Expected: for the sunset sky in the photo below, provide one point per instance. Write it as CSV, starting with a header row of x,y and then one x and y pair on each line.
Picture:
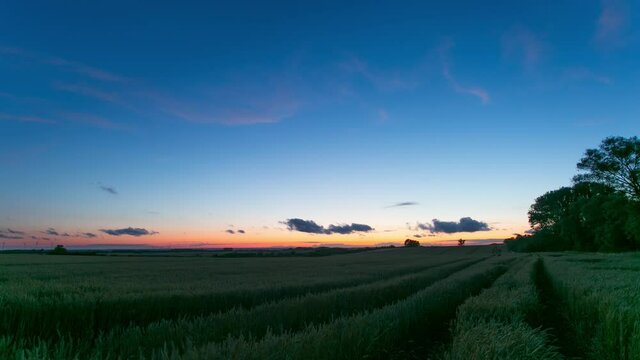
x,y
244,124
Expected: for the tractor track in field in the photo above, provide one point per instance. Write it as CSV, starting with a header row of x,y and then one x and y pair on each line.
x,y
436,336
551,318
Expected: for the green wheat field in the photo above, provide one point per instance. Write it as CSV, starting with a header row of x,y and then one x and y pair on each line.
x,y
397,303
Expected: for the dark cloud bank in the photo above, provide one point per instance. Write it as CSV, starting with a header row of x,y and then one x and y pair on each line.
x,y
128,231
311,227
466,224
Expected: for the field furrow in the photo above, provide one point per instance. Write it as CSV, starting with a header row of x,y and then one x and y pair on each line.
x,y
597,304
502,321
50,313
374,335
277,317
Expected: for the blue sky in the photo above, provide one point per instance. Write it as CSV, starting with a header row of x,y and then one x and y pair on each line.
x,y
188,120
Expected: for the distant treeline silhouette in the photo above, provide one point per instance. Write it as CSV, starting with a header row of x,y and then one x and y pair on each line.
x,y
600,212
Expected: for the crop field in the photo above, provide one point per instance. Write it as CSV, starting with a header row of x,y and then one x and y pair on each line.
x,y
403,303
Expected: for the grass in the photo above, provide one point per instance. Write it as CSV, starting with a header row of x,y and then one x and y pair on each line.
x,y
598,297
370,335
379,304
497,324
52,296
290,314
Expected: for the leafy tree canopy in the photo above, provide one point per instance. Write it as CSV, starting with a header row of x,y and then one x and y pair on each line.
x,y
616,163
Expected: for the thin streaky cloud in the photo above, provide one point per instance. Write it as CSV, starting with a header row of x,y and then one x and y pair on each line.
x,y
402,204
109,189
87,91
268,110
476,91
584,74
382,81
10,237
65,64
26,118
93,120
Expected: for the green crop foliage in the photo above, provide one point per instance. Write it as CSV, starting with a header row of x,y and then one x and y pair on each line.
x,y
497,324
444,303
598,297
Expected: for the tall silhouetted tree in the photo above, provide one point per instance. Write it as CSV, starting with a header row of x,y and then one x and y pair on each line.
x,y
600,212
615,163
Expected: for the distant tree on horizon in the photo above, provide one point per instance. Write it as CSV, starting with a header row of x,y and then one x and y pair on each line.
x,y
461,242
58,250
411,243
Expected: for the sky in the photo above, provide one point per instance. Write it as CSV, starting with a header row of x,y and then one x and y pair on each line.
x,y
257,123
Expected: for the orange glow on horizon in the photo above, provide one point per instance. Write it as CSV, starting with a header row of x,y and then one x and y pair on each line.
x,y
266,238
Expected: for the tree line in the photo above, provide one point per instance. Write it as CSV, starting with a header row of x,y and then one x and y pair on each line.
x,y
599,212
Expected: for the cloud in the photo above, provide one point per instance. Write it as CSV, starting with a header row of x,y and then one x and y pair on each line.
x,y
417,236
267,103
88,235
466,224
425,226
109,189
521,44
243,101
88,91
51,231
15,232
310,226
476,91
93,120
584,74
382,81
611,24
348,229
307,226
401,204
4,235
241,231
64,64
26,118
128,231
230,231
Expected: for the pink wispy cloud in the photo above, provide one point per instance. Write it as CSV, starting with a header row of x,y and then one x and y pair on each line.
x,y
521,44
26,118
88,91
584,74
266,106
383,81
476,91
64,64
93,120
611,24
237,104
